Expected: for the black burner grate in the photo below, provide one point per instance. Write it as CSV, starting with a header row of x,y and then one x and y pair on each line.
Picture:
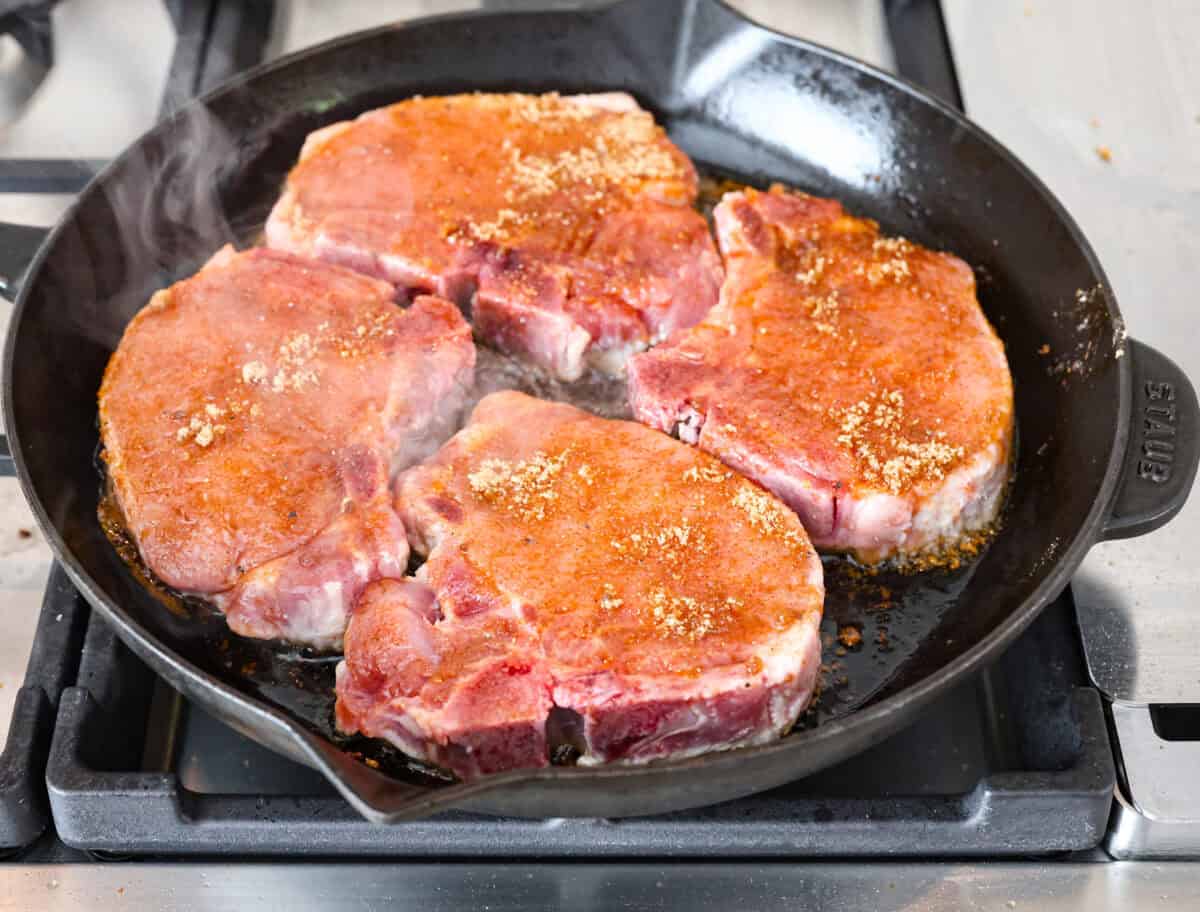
x,y
1015,762
52,664
217,39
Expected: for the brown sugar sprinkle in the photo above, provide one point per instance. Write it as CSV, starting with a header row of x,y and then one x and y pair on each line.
x,y
294,372
688,618
549,111
821,308
890,261
362,338
546,110
498,227
709,473
815,270
893,246
254,372
765,513
618,152
540,176
624,151
873,431
665,543
895,269
824,312
200,428
609,600
524,487
294,354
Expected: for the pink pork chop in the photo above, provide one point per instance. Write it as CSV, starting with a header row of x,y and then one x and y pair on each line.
x,y
853,375
590,582
252,417
569,220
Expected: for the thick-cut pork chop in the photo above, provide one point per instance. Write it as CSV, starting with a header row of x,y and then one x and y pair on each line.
x,y
252,416
853,375
595,576
569,216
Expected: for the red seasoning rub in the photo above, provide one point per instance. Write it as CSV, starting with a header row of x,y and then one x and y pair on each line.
x,y
591,565
251,417
852,374
570,215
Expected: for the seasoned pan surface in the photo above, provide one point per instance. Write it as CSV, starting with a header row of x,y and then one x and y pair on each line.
x,y
741,101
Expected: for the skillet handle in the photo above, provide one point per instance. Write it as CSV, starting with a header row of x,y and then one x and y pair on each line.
x,y
1163,447
383,799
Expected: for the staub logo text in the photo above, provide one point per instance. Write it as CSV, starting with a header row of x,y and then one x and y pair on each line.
x,y
1158,433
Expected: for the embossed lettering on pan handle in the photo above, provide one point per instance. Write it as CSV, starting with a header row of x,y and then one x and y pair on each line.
x,y
1163,448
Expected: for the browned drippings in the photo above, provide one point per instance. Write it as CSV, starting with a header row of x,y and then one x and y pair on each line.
x,y
112,522
712,188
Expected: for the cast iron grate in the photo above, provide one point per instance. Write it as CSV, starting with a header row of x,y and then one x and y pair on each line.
x,y
1016,762
52,664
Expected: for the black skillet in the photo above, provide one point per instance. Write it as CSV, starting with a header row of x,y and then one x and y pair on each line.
x,y
1107,427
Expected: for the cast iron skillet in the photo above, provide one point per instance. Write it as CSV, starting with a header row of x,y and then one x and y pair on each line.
x,y
1107,427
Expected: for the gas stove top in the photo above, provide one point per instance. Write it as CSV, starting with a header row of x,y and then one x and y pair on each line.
x,y
1077,748
1016,762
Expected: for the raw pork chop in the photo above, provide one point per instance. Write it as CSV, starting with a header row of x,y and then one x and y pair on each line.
x,y
251,417
591,575
853,375
570,216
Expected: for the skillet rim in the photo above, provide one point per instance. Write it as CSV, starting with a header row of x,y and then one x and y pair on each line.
x,y
859,722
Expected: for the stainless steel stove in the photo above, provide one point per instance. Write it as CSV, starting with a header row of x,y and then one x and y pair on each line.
x,y
1060,778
